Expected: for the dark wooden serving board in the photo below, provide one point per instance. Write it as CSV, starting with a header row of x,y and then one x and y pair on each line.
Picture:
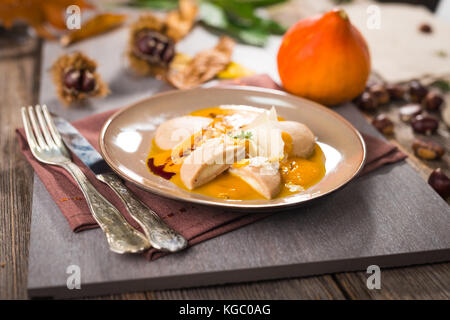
x,y
389,217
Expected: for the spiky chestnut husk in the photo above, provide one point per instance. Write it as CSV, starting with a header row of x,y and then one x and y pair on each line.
x,y
76,79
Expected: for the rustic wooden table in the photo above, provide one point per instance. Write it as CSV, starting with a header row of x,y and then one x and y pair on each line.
x,y
19,86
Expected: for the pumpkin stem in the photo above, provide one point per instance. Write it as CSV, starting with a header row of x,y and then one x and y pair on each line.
x,y
343,14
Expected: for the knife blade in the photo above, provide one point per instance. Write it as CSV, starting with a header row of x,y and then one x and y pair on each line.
x,y
159,234
81,147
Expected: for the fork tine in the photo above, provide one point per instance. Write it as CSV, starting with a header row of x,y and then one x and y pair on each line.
x,y
36,129
51,125
44,126
28,131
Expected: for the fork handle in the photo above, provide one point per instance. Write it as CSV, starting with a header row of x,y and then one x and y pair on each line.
x,y
160,235
121,236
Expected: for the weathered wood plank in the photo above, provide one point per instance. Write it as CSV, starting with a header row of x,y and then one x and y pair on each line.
x,y
18,86
125,296
418,282
323,287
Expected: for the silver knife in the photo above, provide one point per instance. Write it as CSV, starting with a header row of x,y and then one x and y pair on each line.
x,y
159,234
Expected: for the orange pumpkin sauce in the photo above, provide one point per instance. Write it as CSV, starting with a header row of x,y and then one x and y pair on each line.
x,y
297,173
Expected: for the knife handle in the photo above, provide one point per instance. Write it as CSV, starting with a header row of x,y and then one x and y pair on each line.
x,y
159,234
121,236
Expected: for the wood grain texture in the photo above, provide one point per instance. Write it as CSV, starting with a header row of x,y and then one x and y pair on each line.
x,y
18,85
323,287
418,282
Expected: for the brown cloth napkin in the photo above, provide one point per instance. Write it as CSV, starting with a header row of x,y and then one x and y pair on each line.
x,y
195,222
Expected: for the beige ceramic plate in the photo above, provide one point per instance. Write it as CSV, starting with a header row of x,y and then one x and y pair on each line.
x,y
126,138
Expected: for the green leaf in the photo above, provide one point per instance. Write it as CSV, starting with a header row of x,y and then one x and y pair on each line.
x,y
155,4
243,15
213,15
255,37
273,27
239,14
443,85
260,3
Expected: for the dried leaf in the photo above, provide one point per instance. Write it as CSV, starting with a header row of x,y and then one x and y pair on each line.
x,y
234,70
204,66
97,25
77,61
38,13
179,22
54,15
180,61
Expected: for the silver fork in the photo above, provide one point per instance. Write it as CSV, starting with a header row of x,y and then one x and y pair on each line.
x,y
47,147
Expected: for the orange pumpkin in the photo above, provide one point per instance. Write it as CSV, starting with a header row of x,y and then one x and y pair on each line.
x,y
325,59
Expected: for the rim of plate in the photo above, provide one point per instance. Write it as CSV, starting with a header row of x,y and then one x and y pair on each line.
x,y
231,205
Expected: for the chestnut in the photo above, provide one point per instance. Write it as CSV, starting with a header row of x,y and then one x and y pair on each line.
x,y
440,183
154,47
366,101
79,80
417,91
71,79
383,124
425,28
88,82
425,124
409,111
433,101
445,114
428,150
380,94
396,91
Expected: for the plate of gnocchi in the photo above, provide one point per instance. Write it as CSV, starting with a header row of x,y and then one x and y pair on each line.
x,y
241,148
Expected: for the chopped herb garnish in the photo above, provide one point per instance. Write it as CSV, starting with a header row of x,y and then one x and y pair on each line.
x,y
243,135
